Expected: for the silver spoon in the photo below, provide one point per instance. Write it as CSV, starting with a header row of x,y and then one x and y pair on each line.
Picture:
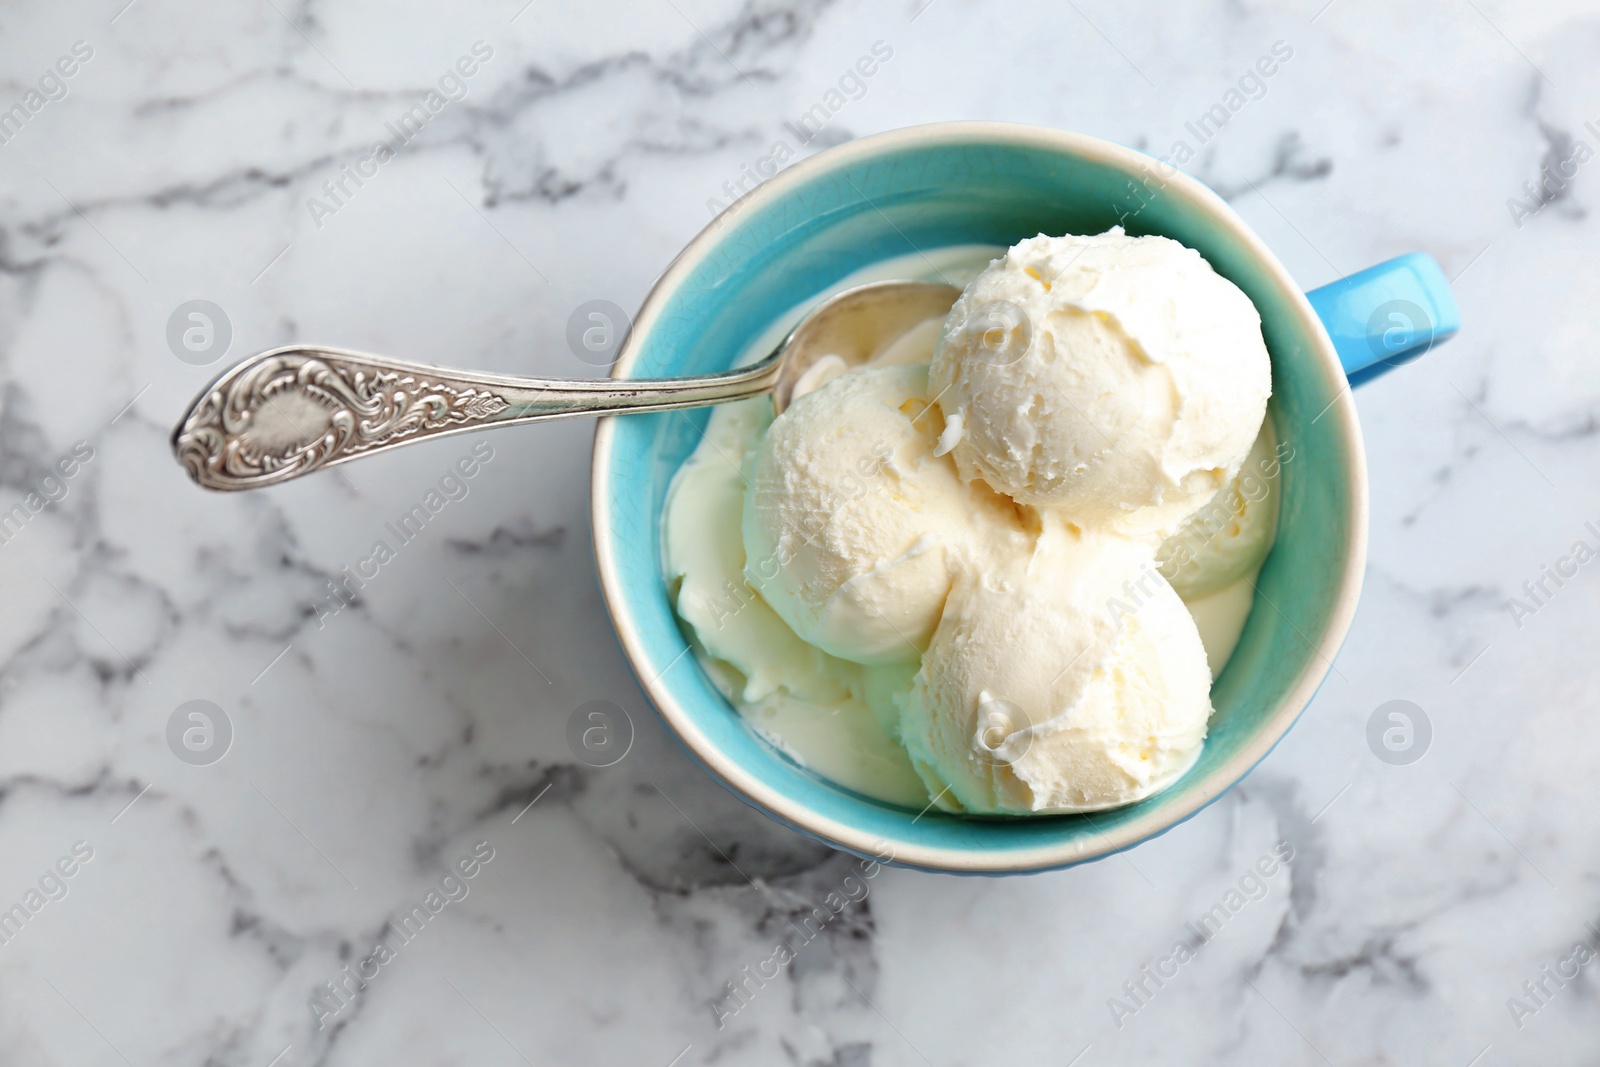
x,y
290,411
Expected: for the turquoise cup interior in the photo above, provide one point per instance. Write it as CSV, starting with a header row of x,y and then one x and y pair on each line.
x,y
958,184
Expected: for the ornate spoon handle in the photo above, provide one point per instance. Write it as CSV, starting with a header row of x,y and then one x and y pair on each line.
x,y
291,411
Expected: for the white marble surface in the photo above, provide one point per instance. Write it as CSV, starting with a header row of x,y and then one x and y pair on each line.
x,y
372,752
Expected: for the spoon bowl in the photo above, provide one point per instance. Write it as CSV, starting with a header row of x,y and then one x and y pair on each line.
x,y
854,326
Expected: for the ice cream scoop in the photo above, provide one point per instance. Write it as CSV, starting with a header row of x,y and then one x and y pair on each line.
x,y
1230,534
1117,378
852,525
1071,679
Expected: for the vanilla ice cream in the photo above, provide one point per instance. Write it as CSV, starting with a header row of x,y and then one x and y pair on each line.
x,y
1070,680
826,713
1228,536
852,525
1103,376
996,568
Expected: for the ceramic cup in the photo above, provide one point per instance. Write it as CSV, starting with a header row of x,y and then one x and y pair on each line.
x,y
949,184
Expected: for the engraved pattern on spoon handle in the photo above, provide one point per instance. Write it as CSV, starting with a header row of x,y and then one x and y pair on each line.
x,y
295,410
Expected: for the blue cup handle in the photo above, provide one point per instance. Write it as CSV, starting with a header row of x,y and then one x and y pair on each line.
x,y
1387,315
